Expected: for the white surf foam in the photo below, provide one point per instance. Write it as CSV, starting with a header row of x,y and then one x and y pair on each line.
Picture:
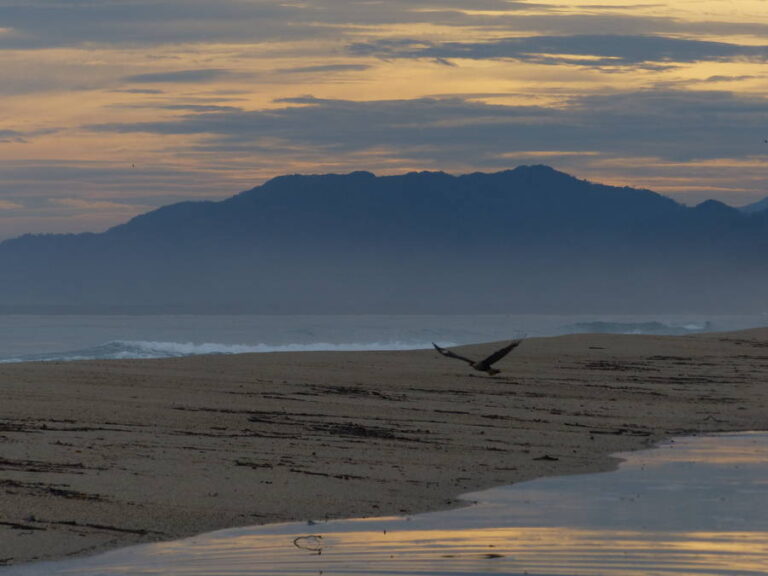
x,y
650,327
139,349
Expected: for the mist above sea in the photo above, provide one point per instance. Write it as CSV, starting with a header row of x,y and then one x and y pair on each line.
x,y
89,337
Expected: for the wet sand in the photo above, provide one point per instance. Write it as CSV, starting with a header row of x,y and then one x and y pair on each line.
x,y
96,455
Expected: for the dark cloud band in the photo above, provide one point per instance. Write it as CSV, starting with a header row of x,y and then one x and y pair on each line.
x,y
676,125
183,76
11,136
586,50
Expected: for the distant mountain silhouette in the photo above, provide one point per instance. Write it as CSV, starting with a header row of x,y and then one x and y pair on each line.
x,y
758,206
530,239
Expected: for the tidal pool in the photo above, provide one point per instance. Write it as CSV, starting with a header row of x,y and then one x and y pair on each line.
x,y
694,506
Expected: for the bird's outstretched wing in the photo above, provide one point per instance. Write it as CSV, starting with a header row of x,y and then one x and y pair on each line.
x,y
499,354
450,354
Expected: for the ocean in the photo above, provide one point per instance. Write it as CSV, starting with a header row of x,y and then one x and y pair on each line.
x,y
87,337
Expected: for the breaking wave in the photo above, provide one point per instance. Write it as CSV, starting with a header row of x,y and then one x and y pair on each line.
x,y
660,328
127,349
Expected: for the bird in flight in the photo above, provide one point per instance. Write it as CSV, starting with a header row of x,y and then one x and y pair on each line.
x,y
484,365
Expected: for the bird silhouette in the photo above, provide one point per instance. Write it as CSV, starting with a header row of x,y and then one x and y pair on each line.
x,y
484,365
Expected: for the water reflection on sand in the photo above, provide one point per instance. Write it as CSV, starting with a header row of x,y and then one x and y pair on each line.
x,y
694,507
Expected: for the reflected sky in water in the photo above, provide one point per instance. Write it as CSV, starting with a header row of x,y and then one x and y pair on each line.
x,y
695,506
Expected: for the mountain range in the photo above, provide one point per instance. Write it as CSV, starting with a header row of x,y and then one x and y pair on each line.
x,y
758,206
532,239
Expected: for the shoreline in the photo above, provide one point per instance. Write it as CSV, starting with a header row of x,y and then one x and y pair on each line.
x,y
183,550
104,454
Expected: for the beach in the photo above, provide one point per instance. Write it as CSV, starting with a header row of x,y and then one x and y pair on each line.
x,y
103,454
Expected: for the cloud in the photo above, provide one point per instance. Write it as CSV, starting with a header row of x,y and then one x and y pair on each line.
x,y
139,91
201,107
677,125
179,76
11,136
48,23
101,23
610,20
94,205
586,50
618,6
8,205
15,137
723,78
324,68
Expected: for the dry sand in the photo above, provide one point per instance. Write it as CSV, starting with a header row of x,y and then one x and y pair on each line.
x,y
109,453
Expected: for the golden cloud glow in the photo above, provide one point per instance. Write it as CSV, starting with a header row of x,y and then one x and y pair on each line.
x,y
8,205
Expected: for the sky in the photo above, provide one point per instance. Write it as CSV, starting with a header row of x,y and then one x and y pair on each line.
x,y
111,108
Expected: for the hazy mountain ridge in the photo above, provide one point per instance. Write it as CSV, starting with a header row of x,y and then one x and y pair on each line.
x,y
759,206
528,239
